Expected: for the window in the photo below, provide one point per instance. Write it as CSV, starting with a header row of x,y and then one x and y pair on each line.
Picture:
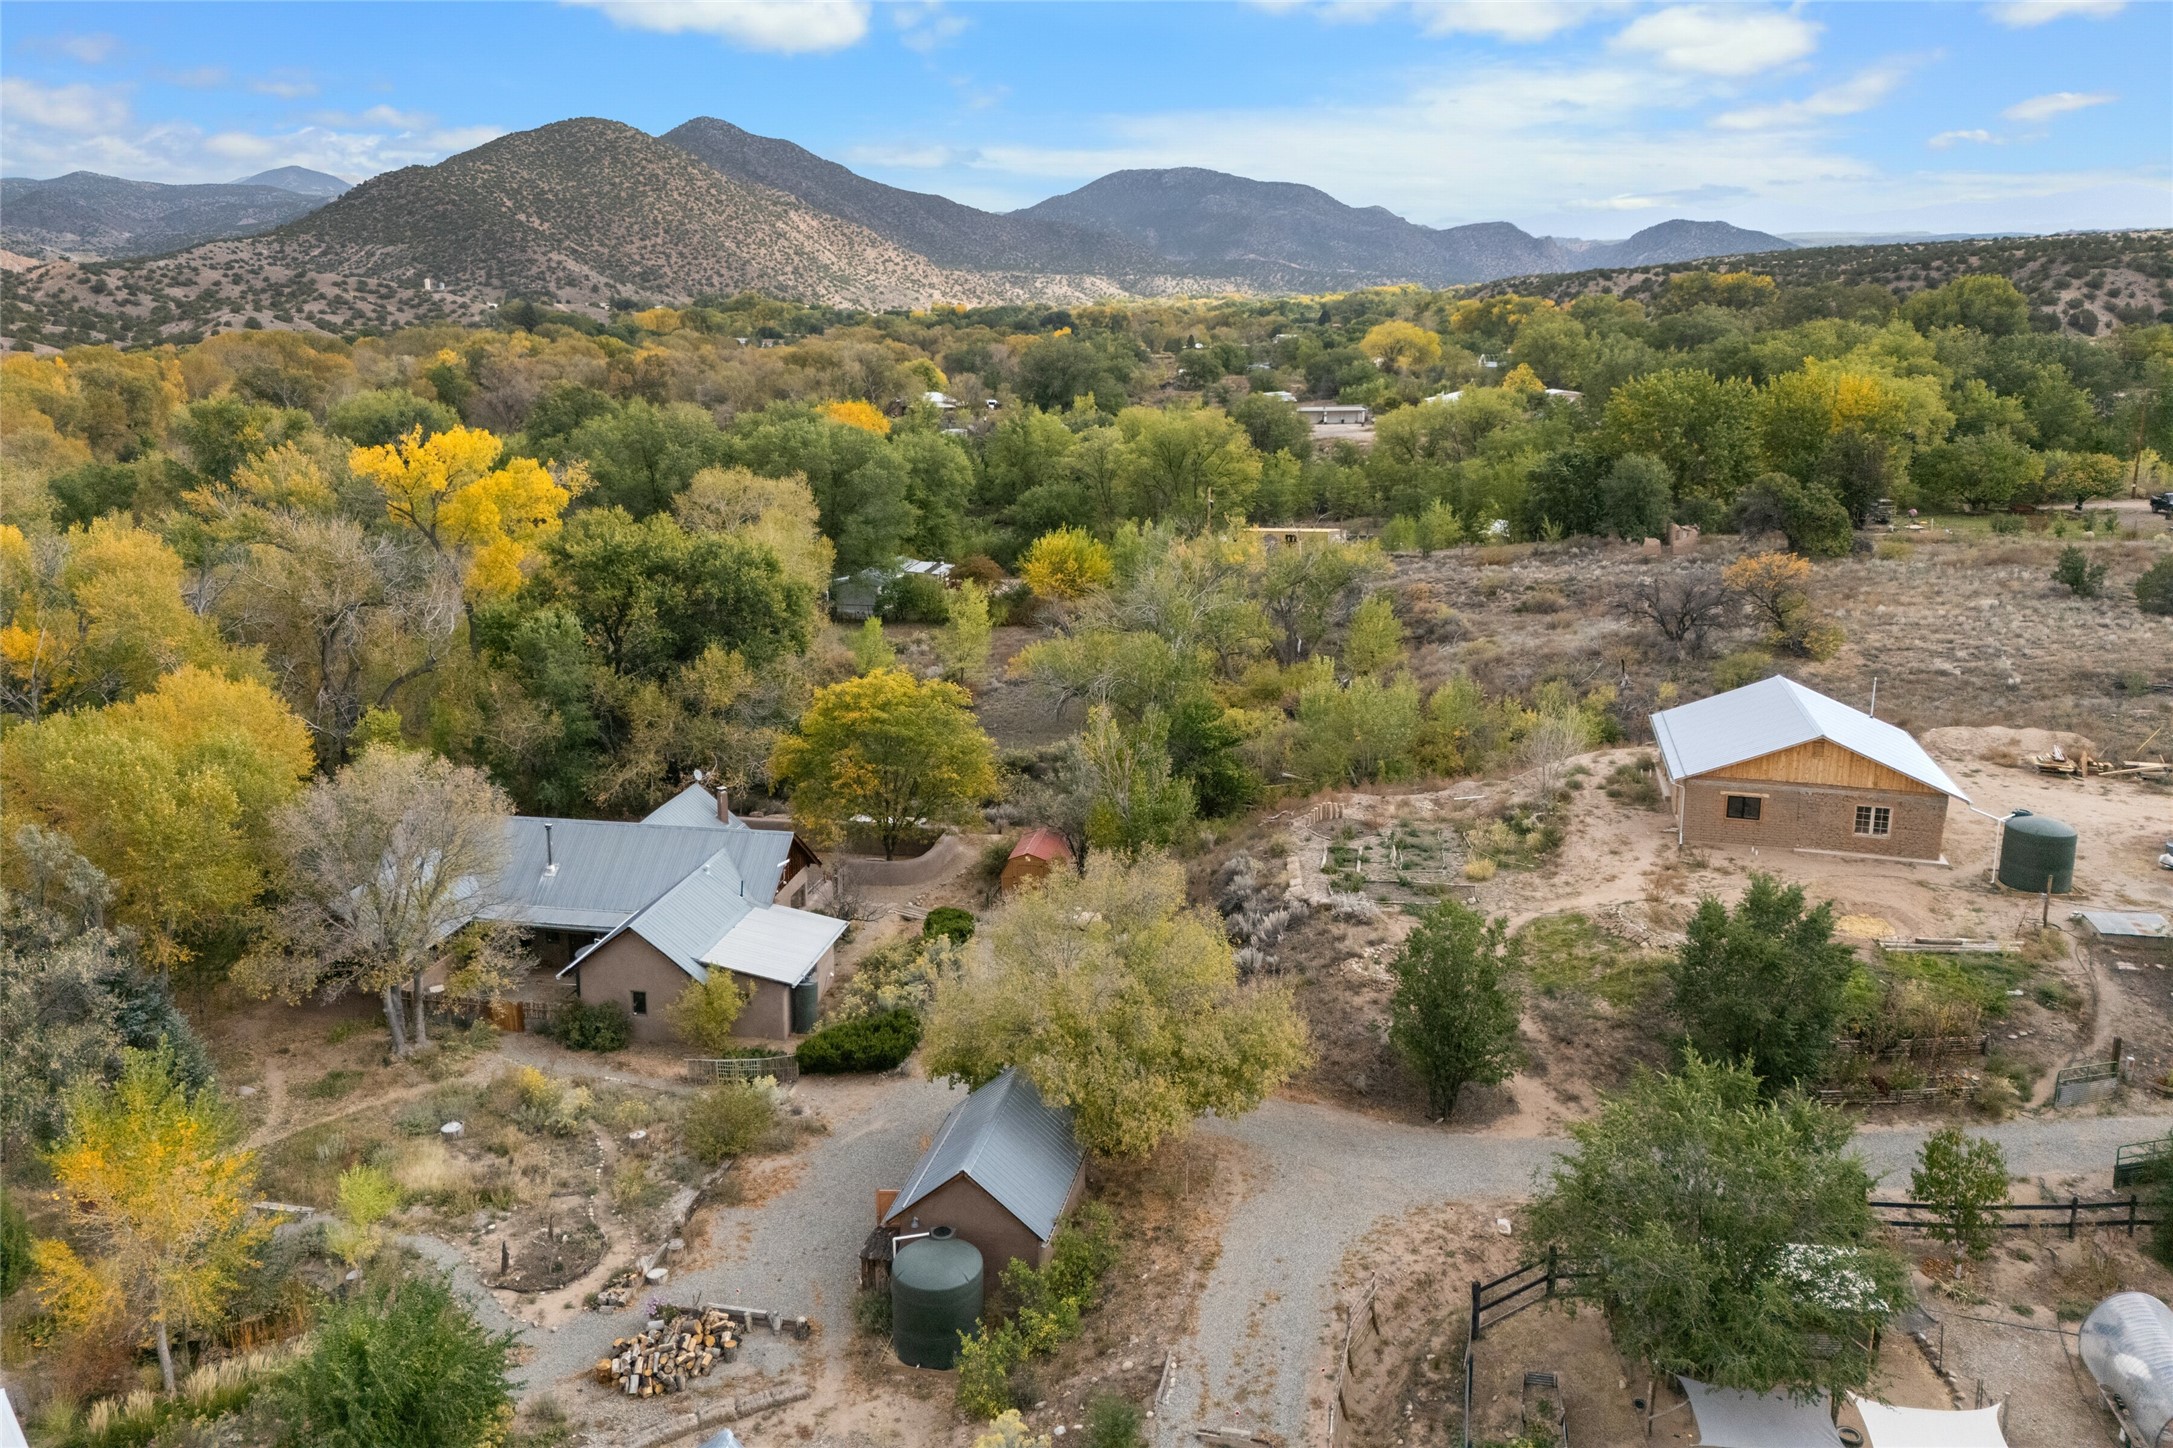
x,y
1744,806
641,1003
1874,819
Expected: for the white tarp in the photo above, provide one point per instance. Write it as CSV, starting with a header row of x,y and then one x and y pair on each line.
x,y
1889,1427
1731,1418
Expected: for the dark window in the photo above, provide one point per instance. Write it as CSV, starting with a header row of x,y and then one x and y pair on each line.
x,y
1743,806
641,1003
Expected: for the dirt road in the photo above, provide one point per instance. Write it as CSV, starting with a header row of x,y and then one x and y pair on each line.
x,y
1327,1176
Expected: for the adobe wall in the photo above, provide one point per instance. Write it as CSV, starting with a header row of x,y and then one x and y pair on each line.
x,y
1800,816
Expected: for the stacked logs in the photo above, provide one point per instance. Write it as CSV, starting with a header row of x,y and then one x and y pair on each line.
x,y
662,1359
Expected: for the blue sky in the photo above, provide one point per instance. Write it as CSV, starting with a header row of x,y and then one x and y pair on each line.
x,y
1581,119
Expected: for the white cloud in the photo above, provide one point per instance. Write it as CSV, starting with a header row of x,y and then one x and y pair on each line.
x,y
385,117
1859,93
1945,139
2058,103
1720,39
286,85
1521,21
2025,14
785,27
924,26
203,77
79,108
90,49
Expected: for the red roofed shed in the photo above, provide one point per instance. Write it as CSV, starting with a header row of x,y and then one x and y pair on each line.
x,y
1033,858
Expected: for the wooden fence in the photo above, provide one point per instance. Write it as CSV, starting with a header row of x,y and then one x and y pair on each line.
x,y
2070,1216
781,1064
1503,1298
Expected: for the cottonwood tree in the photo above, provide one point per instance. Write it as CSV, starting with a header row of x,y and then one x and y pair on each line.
x,y
1453,1017
1127,801
450,490
1066,563
1729,1235
382,863
158,1193
892,749
1117,1000
1763,983
962,643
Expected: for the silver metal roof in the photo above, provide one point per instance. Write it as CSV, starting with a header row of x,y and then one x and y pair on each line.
x,y
592,874
693,915
692,808
1010,1143
779,943
1775,714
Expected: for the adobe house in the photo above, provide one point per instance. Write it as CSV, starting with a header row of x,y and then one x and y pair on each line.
x,y
1779,766
1002,1172
633,911
1036,853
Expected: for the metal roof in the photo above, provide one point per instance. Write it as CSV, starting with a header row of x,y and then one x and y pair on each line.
x,y
1778,713
1011,1144
779,943
693,808
2126,924
1041,844
592,874
693,915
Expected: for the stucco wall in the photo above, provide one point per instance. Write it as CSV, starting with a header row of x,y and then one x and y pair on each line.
x,y
963,1206
1798,816
629,963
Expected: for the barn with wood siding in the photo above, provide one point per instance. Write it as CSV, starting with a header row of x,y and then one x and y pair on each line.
x,y
1780,766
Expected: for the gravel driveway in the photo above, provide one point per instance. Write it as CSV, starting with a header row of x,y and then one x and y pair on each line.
x,y
1329,1176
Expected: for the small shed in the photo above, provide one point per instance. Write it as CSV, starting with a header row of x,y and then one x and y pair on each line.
x,y
1003,1170
1295,537
1033,857
1336,414
1777,765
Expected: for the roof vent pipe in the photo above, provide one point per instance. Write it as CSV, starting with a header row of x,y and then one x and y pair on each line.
x,y
550,859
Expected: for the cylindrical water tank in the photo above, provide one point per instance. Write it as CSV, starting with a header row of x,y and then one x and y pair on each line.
x,y
2127,1343
935,1294
2034,849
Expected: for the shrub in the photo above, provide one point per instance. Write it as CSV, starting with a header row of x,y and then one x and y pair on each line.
x,y
2006,525
604,1026
2083,578
708,1011
949,921
872,1313
2154,590
986,1359
1744,666
402,1367
867,1043
728,1120
1112,1422
14,1245
915,598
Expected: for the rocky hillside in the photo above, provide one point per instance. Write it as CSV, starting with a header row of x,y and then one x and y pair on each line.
x,y
89,216
2084,281
938,228
299,178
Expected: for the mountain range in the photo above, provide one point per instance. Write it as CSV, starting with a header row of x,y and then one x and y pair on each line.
x,y
585,211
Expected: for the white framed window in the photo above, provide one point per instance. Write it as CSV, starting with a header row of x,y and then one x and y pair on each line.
x,y
1875,820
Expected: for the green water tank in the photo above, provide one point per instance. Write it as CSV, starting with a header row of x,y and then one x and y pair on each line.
x,y
2033,848
935,1294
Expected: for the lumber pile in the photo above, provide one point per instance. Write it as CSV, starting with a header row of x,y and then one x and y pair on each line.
x,y
663,1358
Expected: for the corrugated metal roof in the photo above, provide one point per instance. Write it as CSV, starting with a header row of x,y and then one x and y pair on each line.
x,y
603,869
693,808
2126,924
1010,1143
696,913
1042,844
1778,713
780,944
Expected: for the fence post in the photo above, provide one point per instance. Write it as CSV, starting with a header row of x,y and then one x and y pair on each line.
x,y
2074,1210
2131,1213
1475,1311
1552,1253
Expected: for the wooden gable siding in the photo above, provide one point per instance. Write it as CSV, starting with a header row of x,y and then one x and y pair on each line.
x,y
1822,762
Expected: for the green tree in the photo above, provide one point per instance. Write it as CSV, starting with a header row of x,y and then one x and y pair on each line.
x,y
1190,467
2078,573
962,643
1963,1180
384,416
1453,1017
888,747
1309,592
1813,520
1699,425
1762,984
1637,497
1373,644
1117,1000
2154,590
1730,1235
1128,798
643,456
870,650
366,1196
1356,733
399,1366
1273,424
1988,304
15,1245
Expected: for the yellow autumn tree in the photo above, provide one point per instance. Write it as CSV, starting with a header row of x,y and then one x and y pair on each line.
x,y
158,1195
451,490
1402,346
864,415
92,615
1066,563
169,793
1522,379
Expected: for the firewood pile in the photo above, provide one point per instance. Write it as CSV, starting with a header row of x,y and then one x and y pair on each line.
x,y
662,1359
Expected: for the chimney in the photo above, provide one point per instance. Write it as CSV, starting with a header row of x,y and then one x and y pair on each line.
x,y
550,859
724,805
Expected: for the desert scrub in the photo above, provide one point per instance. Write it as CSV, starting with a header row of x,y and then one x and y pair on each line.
x,y
605,1026
1633,784
729,1120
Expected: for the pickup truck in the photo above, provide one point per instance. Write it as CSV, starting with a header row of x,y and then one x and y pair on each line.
x,y
2162,503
